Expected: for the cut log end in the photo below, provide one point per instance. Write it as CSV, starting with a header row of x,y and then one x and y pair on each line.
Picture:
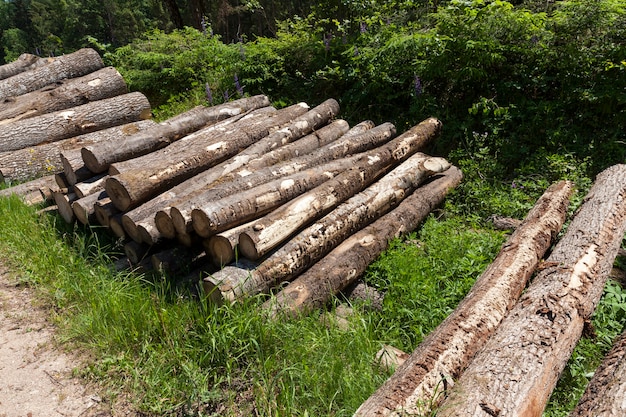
x,y
118,194
91,161
165,224
247,247
220,250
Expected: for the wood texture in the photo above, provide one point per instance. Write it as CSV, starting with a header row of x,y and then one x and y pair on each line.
x,y
23,63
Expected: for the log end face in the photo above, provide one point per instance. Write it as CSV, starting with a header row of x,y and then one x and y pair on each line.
x,y
92,162
165,224
220,250
247,247
118,193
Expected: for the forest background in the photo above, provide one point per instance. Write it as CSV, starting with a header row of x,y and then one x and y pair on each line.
x,y
529,92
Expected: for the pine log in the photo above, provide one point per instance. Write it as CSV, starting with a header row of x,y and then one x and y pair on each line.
x,y
238,181
104,83
98,157
220,248
24,62
605,393
314,242
72,65
274,229
517,368
26,190
448,349
186,159
35,161
75,121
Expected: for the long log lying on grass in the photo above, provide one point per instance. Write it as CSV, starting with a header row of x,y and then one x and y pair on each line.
x,y
98,158
314,242
605,393
30,192
418,384
272,230
71,65
245,179
518,367
134,187
75,121
104,83
35,161
23,63
348,261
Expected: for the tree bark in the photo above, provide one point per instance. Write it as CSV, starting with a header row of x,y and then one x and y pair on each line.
x,y
604,395
518,367
275,228
24,62
99,157
245,179
35,161
28,189
78,120
418,385
76,64
132,188
104,209
314,242
90,186
104,83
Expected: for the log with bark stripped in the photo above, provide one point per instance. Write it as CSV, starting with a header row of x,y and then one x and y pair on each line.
x,y
35,161
517,368
314,242
185,159
605,394
245,179
104,83
98,157
447,350
24,62
71,65
78,120
272,230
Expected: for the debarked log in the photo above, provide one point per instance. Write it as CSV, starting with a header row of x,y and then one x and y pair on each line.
x,y
314,242
134,187
75,121
419,383
516,370
604,395
72,65
104,83
99,157
44,159
272,230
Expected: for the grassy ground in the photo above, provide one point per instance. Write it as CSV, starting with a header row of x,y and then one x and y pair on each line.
x,y
179,356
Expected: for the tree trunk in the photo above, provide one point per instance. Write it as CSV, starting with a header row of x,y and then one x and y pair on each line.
x,y
24,62
98,157
28,190
78,120
132,188
174,13
76,64
272,230
604,396
518,367
35,161
220,247
245,179
104,83
310,245
418,385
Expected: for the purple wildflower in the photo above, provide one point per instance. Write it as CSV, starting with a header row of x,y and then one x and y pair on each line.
x,y
363,27
238,86
209,95
417,86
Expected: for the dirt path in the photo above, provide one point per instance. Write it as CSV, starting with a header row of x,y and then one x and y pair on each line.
x,y
35,377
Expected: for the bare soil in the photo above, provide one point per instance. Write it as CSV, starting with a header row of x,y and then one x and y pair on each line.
x,y
35,374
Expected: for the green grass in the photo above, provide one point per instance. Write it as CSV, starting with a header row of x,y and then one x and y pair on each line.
x,y
178,356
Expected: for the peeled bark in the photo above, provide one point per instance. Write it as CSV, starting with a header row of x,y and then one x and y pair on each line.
x,y
35,161
76,121
314,242
273,229
98,157
244,179
418,384
24,62
134,187
64,94
71,65
517,368
604,396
